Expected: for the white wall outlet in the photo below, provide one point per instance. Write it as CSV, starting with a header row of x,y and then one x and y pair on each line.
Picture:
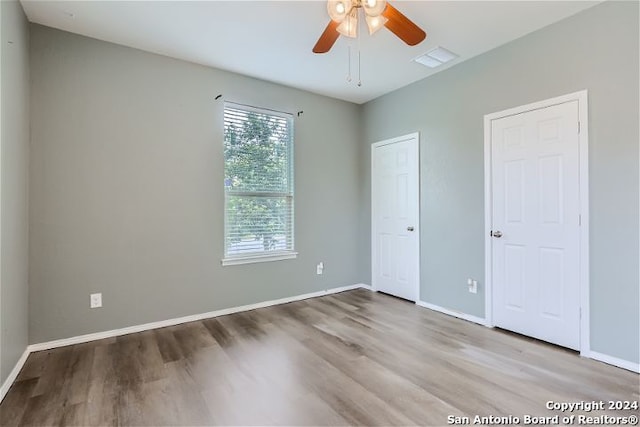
x,y
95,300
319,268
473,286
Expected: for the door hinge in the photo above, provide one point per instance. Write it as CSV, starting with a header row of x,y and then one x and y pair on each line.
x,y
578,127
579,220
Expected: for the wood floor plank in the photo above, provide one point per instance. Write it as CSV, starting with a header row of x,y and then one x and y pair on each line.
x,y
103,386
13,407
54,371
149,352
398,393
193,337
320,376
223,337
168,345
42,410
35,367
355,358
75,390
126,362
74,415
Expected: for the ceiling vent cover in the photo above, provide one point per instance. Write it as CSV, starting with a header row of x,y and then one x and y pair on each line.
x,y
436,57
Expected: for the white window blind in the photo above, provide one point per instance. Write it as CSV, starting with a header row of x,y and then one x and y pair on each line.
x,y
258,182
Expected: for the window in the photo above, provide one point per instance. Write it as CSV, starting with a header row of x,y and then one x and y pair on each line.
x,y
258,183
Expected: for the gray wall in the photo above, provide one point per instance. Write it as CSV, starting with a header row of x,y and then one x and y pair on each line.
x,y
595,50
127,194
14,154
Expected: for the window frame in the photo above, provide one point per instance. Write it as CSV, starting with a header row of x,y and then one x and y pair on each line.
x,y
261,256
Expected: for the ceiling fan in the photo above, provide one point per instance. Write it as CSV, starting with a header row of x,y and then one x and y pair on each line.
x,y
378,13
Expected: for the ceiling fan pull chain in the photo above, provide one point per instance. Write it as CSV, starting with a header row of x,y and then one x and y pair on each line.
x,y
359,79
359,24
349,62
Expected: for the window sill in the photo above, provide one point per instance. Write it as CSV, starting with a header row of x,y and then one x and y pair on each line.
x,y
259,258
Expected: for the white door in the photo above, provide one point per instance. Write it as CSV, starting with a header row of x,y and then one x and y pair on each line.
x,y
395,216
536,223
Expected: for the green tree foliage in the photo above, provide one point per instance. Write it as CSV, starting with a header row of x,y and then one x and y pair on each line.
x,y
257,156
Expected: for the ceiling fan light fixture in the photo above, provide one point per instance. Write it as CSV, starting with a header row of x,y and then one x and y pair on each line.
x,y
349,26
339,9
374,23
374,7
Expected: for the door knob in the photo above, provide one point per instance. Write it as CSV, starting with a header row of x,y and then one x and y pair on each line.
x,y
410,228
497,234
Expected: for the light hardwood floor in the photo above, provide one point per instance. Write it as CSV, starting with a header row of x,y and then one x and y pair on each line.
x,y
358,358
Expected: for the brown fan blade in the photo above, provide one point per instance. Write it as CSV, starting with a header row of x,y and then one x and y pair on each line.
x,y
328,38
402,26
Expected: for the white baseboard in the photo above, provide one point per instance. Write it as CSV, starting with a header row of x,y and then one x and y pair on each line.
x,y
624,364
610,360
13,374
179,320
457,314
154,325
601,357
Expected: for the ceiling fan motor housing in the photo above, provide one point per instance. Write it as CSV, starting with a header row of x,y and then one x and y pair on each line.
x,y
345,13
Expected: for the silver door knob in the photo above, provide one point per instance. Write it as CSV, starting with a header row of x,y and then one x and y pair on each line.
x,y
410,228
497,234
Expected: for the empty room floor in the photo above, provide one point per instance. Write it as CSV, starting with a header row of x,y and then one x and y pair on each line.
x,y
354,358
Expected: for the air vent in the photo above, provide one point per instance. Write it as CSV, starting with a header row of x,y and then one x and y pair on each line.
x,y
436,57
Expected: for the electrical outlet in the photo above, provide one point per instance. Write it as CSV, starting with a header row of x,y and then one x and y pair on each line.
x,y
319,268
95,300
473,286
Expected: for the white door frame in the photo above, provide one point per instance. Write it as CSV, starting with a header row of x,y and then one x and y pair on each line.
x,y
583,141
416,136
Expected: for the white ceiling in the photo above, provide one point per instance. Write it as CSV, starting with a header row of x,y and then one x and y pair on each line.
x,y
272,40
